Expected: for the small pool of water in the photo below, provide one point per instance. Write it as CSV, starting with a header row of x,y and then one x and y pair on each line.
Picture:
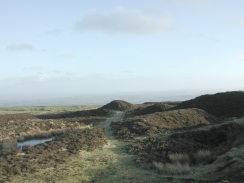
x,y
33,142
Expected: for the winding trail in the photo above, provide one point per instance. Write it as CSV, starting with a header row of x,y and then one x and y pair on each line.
x,y
116,117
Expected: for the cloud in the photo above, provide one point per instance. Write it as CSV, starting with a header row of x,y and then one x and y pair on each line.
x,y
42,77
237,22
192,3
199,35
67,55
53,32
241,22
34,68
123,21
19,46
241,57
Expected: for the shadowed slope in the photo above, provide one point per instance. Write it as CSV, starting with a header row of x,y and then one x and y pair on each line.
x,y
228,104
148,109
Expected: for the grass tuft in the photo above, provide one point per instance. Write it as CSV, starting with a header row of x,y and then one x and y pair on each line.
x,y
203,156
179,158
173,168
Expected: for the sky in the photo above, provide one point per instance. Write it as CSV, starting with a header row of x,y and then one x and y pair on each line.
x,y
77,47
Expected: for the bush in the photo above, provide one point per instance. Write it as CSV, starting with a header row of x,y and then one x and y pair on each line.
x,y
125,134
172,168
203,156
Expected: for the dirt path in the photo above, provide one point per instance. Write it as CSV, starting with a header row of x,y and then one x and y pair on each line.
x,y
117,116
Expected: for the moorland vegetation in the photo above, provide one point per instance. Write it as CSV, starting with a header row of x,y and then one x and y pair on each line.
x,y
203,131
199,140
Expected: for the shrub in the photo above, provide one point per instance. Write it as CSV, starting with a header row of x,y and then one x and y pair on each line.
x,y
203,156
172,168
179,158
125,134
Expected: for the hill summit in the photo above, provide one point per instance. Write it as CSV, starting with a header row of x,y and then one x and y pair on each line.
x,y
227,104
118,105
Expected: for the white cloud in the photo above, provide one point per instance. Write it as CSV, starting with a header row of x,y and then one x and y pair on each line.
x,y
238,22
53,32
34,68
199,35
41,77
193,3
19,46
123,21
67,55
241,22
242,57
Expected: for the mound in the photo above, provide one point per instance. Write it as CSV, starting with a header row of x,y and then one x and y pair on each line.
x,y
158,122
181,118
229,104
118,105
157,107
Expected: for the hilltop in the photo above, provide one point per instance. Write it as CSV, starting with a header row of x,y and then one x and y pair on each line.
x,y
228,104
118,105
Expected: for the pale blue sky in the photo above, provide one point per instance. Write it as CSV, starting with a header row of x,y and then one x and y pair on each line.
x,y
67,48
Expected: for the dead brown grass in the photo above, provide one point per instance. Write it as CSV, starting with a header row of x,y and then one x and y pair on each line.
x,y
203,156
179,158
